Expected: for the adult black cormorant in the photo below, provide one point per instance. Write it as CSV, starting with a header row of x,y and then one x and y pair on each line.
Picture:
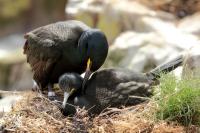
x,y
110,87
68,46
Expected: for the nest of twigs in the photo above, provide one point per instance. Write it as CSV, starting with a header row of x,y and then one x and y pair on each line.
x,y
35,113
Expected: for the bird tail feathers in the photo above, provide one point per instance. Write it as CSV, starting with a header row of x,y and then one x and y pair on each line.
x,y
166,67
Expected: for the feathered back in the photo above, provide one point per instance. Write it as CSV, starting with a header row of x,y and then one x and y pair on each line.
x,y
44,47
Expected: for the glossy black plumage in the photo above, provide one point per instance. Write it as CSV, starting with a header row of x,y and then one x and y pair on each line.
x,y
63,47
112,87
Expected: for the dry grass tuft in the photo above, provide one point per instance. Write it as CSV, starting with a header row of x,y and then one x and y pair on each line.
x,y
37,114
129,120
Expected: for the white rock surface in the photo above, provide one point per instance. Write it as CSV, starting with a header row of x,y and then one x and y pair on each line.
x,y
190,24
191,65
7,102
168,32
140,51
150,43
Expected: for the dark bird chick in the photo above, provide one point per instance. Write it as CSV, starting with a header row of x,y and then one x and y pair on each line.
x,y
69,46
111,87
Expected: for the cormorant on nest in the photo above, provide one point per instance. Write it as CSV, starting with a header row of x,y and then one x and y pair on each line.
x,y
110,87
69,46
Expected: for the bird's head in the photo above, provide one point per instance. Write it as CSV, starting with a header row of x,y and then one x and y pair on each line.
x,y
71,84
97,49
93,47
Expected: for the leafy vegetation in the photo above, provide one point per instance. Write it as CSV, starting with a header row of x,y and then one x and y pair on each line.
x,y
178,100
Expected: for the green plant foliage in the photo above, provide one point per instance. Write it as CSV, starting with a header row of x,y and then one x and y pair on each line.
x,y
179,100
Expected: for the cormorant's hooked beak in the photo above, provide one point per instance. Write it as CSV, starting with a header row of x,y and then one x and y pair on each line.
x,y
88,72
66,97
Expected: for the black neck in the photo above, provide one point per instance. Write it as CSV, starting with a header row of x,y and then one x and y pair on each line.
x,y
75,94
